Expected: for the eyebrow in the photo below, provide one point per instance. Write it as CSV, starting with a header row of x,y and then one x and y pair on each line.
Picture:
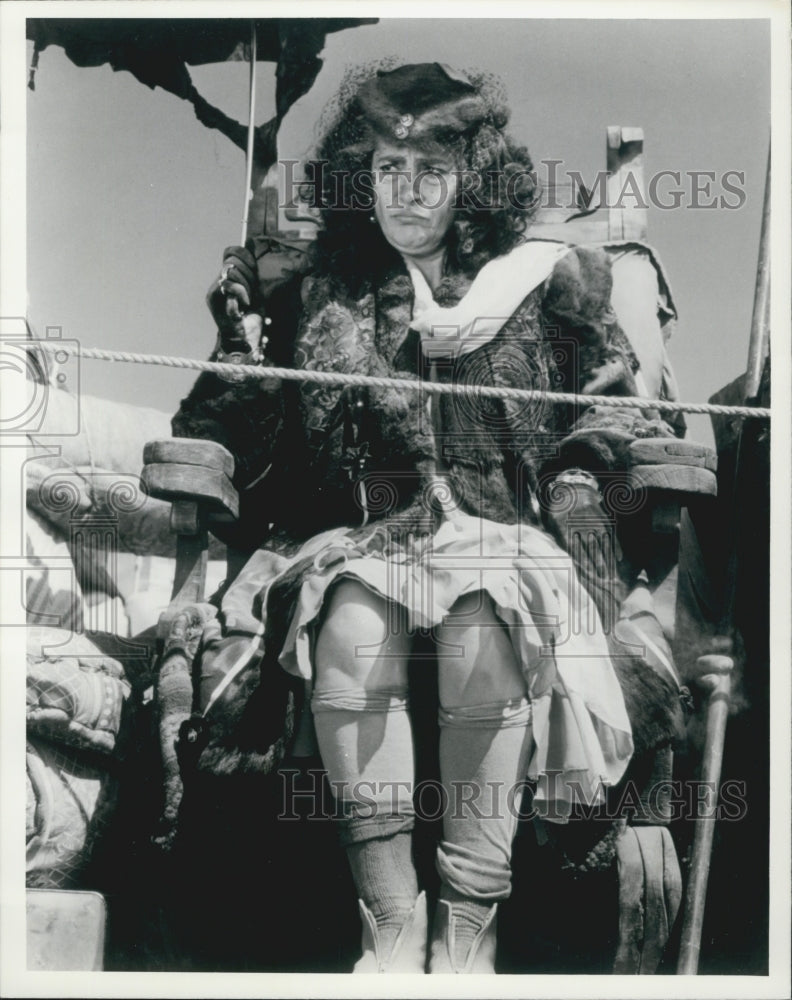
x,y
389,158
444,163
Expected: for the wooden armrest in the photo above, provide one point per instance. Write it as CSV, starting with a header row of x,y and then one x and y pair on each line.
x,y
182,469
195,476
673,451
674,466
188,451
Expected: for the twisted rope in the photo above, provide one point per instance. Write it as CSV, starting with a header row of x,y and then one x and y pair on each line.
x,y
434,388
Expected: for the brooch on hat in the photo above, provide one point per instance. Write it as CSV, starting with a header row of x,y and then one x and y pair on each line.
x,y
402,130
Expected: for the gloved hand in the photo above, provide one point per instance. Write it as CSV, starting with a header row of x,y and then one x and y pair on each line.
x,y
234,294
573,513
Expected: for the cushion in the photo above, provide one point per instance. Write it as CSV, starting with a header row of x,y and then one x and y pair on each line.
x,y
75,693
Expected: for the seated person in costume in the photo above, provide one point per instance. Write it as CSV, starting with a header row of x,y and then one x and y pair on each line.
x,y
381,511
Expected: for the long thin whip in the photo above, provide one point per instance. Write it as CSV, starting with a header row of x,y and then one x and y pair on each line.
x,y
251,134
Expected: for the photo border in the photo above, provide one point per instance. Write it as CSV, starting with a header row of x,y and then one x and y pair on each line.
x,y
15,981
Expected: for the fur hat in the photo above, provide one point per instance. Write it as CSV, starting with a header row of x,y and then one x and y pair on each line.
x,y
421,101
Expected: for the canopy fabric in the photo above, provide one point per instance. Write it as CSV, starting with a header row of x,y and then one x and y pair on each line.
x,y
158,51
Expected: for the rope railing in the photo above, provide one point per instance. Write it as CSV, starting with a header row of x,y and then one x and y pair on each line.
x,y
413,385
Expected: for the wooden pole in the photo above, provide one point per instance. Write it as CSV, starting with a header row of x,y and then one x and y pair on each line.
x,y
716,681
716,670
760,324
251,134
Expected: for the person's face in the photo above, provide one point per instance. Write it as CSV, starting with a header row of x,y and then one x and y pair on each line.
x,y
415,195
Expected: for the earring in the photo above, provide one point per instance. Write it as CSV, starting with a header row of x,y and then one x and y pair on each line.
x,y
372,218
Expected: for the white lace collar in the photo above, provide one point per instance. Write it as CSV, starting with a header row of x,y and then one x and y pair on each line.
x,y
496,291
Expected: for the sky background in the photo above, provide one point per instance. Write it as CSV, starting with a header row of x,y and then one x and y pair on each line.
x,y
131,200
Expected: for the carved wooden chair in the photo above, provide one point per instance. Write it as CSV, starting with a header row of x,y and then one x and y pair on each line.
x,y
196,477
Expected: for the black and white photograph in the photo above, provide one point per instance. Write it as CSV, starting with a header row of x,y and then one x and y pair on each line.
x,y
395,463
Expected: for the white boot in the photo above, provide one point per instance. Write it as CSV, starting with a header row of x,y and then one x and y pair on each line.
x,y
408,954
481,955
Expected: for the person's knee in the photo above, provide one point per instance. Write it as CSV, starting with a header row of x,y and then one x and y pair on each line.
x,y
477,664
362,640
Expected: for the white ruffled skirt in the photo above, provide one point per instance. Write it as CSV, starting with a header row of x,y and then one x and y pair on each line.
x,y
582,735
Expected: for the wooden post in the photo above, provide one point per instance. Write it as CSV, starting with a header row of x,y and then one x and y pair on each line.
x,y
716,680
716,670
627,205
192,553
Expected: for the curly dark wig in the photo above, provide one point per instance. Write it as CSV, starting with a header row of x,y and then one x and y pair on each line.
x,y
496,199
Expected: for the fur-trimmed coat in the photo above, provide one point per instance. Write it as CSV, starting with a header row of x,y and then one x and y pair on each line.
x,y
300,449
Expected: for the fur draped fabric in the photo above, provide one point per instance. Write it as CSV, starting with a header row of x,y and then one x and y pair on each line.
x,y
303,451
